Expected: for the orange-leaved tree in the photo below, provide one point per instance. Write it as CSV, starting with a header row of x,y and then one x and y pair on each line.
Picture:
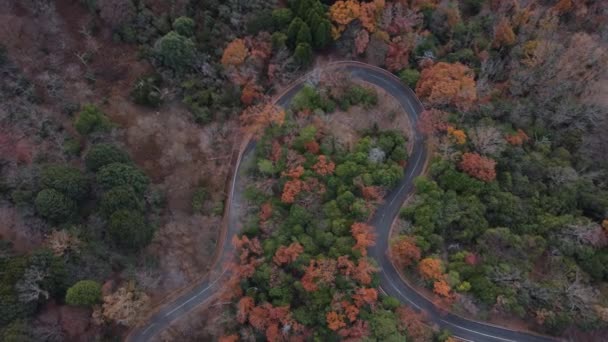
x,y
255,118
447,84
342,13
517,139
229,338
430,269
442,288
287,254
459,136
324,166
365,295
413,322
322,271
405,252
290,190
479,167
363,272
335,320
364,236
243,308
235,53
503,34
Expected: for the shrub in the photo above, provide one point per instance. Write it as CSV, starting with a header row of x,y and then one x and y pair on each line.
x,y
117,174
198,199
129,229
72,147
146,91
54,206
90,120
84,293
65,179
184,26
175,51
120,197
409,77
359,95
101,155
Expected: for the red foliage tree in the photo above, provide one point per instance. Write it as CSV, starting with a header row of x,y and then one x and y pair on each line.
x,y
229,338
503,34
365,296
356,332
345,266
250,93
265,211
413,323
272,333
471,259
364,236
335,320
517,139
295,172
290,190
479,167
405,252
243,308
351,311
286,255
433,121
312,147
398,54
235,53
321,271
371,193
363,272
447,84
324,166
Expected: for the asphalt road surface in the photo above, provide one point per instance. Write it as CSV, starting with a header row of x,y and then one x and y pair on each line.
x,y
390,280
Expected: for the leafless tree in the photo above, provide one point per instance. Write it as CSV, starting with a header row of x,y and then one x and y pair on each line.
x,y
116,12
28,287
487,140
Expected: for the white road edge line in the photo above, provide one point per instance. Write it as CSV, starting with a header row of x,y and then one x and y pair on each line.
x,y
477,332
196,295
148,328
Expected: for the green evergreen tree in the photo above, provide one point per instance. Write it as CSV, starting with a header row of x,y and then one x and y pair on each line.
x,y
117,174
129,229
322,34
175,51
120,197
101,155
184,26
293,31
303,54
54,206
90,120
304,36
281,18
68,180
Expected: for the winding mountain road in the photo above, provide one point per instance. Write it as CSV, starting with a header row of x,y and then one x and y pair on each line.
x,y
390,280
